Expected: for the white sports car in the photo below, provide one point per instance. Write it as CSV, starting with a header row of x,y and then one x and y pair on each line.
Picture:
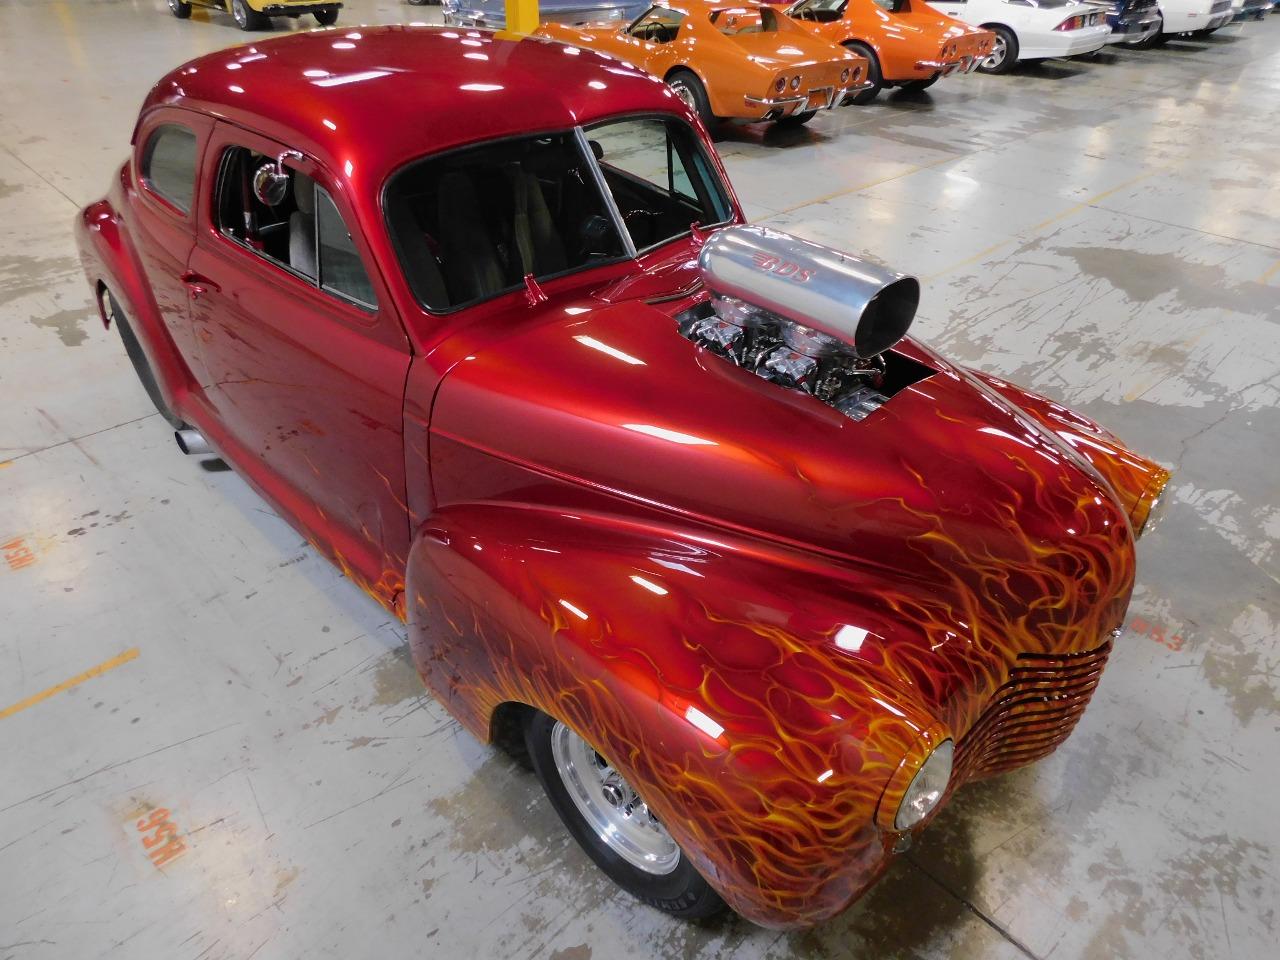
x,y
1033,29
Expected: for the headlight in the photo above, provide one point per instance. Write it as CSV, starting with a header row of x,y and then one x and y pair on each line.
x,y
926,788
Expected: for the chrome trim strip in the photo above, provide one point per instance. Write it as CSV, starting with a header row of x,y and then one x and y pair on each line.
x,y
584,146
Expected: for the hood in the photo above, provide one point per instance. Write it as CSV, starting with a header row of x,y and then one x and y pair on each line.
x,y
945,487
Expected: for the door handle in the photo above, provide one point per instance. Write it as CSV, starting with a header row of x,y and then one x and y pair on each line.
x,y
198,286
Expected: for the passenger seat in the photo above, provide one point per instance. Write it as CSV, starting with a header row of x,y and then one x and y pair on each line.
x,y
467,251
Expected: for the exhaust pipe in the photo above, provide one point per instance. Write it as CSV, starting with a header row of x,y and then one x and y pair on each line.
x,y
861,304
192,442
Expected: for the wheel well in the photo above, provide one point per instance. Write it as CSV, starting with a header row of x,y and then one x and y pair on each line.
x,y
506,729
1002,26
863,44
676,71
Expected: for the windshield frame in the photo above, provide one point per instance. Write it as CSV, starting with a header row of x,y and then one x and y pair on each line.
x,y
578,133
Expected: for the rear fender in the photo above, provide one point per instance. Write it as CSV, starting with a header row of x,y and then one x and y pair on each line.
x,y
111,265
706,677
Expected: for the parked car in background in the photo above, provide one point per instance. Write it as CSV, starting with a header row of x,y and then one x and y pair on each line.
x,y
493,13
1133,22
906,43
736,60
257,14
1196,17
671,503
1250,9
1032,29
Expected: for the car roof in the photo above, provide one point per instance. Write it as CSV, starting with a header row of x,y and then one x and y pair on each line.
x,y
365,101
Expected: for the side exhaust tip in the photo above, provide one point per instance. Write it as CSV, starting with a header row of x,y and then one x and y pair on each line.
x,y
192,442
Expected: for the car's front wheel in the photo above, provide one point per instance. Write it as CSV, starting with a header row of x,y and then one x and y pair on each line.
x,y
874,77
180,9
327,18
246,17
1004,53
613,824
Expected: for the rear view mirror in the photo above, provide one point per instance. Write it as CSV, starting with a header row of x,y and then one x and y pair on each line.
x,y
271,180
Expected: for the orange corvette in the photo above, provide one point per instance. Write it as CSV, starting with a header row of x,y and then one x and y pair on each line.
x,y
907,43
742,60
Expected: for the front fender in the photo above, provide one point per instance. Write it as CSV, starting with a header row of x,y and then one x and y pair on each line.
x,y
715,680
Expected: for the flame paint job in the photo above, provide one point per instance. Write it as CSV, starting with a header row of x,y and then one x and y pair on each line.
x,y
765,614
730,68
904,38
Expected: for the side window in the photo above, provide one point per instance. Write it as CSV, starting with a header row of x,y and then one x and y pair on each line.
x,y
302,231
659,25
340,268
169,165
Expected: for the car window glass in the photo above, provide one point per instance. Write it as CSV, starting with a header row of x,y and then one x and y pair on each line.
x,y
340,268
473,223
822,11
169,165
659,25
303,232
659,177
736,20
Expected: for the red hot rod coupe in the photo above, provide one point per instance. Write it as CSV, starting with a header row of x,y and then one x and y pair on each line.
x,y
667,500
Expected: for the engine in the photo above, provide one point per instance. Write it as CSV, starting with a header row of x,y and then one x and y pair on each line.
x,y
803,316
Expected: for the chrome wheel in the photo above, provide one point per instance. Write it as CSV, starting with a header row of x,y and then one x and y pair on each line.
x,y
998,53
241,14
614,811
686,95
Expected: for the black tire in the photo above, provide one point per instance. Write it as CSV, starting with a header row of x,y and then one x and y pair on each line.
x,y
247,18
689,88
180,9
682,892
919,84
796,119
1157,39
140,365
327,18
1006,39
874,77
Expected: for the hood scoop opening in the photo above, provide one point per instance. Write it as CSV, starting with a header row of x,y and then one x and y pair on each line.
x,y
805,317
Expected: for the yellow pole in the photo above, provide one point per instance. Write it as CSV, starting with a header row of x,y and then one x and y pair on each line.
x,y
522,16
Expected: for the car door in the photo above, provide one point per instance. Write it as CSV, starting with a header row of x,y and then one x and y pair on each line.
x,y
302,356
168,146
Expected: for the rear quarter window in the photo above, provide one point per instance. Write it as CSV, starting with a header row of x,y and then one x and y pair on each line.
x,y
169,165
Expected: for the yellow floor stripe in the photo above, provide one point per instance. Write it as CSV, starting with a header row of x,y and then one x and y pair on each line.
x,y
1275,267
79,678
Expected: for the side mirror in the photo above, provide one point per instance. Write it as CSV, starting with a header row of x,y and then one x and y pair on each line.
x,y
271,180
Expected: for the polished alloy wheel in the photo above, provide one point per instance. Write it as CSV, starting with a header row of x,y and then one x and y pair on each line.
x,y
686,95
611,808
241,14
998,53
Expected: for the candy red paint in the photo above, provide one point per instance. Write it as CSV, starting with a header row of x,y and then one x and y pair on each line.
x,y
633,537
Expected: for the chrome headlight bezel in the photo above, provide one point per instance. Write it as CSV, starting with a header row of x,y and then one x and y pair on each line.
x,y
927,787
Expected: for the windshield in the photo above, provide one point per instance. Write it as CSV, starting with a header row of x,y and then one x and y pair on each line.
x,y
471,224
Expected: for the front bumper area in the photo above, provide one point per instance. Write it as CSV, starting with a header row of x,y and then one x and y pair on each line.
x,y
1135,30
775,108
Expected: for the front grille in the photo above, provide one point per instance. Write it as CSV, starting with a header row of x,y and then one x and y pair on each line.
x,y
1034,711
1220,6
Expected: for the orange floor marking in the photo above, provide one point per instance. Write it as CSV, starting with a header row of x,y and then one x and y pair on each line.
x,y
79,678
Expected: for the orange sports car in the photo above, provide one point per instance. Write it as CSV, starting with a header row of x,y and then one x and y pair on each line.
x,y
739,60
907,43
